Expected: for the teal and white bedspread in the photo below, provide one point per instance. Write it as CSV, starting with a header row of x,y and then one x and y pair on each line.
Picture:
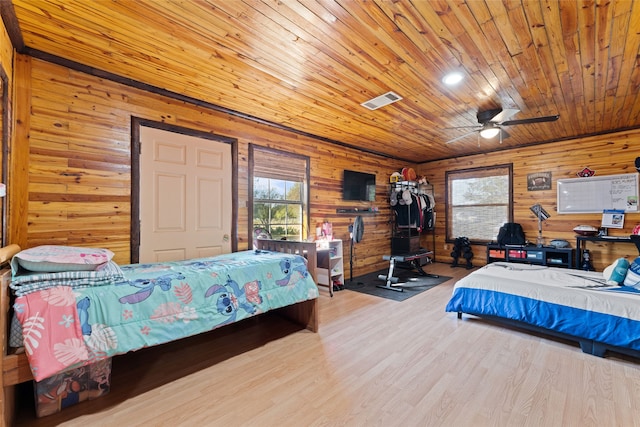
x,y
64,327
574,303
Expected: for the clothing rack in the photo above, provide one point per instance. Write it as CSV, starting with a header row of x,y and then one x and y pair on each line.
x,y
411,219
408,200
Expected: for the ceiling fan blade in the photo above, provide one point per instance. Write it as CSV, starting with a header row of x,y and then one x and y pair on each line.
x,y
531,120
504,115
477,127
503,135
460,137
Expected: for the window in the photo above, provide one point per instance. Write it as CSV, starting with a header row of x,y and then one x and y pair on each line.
x,y
479,201
279,189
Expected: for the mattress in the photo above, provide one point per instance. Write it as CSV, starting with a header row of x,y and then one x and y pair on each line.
x,y
576,303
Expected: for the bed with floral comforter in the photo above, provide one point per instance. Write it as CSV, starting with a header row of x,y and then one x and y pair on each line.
x,y
74,318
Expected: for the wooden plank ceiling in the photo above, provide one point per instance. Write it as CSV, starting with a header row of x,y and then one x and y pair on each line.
x,y
308,65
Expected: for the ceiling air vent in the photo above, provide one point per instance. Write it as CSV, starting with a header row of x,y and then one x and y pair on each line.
x,y
381,101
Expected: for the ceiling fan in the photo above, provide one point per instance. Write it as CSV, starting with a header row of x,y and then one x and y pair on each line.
x,y
490,123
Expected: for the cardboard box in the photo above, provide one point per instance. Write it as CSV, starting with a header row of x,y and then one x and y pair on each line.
x,y
68,388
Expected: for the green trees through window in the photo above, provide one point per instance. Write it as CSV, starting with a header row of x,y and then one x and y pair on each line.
x,y
279,193
277,207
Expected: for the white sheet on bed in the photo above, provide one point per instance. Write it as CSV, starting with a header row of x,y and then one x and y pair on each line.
x,y
572,288
571,302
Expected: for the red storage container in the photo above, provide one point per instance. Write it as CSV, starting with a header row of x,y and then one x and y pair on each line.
x,y
517,253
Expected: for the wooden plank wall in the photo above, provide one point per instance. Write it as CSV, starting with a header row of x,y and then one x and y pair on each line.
x,y
6,64
78,179
6,52
607,154
70,168
7,394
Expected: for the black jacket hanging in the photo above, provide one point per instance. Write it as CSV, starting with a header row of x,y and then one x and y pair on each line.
x,y
407,216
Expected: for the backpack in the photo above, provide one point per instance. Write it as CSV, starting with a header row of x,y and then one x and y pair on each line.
x,y
511,233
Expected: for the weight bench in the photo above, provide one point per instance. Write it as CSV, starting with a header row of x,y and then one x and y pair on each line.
x,y
391,282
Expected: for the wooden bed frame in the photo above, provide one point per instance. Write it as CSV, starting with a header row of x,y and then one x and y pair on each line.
x,y
14,365
305,249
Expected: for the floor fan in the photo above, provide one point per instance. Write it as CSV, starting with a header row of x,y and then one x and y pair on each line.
x,y
355,233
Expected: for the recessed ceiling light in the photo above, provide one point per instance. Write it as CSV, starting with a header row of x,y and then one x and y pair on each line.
x,y
453,78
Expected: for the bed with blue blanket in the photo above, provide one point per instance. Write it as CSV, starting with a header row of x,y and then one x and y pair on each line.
x,y
572,304
74,318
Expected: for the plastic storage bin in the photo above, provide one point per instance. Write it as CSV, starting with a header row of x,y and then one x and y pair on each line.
x,y
68,388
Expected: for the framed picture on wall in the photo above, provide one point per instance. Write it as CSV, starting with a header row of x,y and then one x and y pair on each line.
x,y
539,181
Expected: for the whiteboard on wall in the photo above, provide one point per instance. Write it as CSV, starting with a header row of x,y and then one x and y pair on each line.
x,y
597,193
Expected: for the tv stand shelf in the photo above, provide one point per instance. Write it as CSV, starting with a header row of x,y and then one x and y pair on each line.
x,y
356,211
531,254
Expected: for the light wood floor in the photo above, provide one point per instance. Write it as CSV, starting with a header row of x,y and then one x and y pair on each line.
x,y
375,362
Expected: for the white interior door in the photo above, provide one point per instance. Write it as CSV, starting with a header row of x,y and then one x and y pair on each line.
x,y
185,196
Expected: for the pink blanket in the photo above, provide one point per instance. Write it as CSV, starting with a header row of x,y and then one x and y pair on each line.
x,y
50,320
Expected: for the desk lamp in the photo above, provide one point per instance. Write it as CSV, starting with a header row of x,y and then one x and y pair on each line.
x,y
542,215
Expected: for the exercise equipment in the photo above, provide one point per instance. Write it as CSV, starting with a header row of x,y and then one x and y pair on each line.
x,y
391,282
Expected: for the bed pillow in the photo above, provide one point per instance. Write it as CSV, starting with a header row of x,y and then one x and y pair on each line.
x,y
633,274
52,258
616,272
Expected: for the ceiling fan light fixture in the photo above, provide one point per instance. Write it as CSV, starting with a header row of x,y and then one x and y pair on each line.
x,y
453,78
489,133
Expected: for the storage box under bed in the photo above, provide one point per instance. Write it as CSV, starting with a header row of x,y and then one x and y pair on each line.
x,y
68,388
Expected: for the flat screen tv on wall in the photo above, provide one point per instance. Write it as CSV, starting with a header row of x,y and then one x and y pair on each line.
x,y
359,186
